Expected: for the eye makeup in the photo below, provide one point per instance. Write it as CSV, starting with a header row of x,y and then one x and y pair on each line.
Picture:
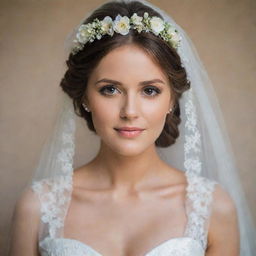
x,y
148,91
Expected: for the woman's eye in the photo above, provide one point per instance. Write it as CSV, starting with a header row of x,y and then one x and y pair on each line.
x,y
108,90
152,91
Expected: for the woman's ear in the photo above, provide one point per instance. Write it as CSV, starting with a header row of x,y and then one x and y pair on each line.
x,y
85,103
171,105
86,107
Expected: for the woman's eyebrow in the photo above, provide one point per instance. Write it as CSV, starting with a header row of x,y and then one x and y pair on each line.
x,y
119,83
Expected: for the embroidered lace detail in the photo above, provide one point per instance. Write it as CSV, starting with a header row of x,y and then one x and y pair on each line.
x,y
54,195
192,144
67,148
65,140
199,198
55,192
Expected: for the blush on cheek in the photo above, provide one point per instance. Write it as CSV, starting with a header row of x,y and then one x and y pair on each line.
x,y
156,113
104,119
157,123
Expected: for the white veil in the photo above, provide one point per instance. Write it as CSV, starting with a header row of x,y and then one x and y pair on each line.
x,y
203,147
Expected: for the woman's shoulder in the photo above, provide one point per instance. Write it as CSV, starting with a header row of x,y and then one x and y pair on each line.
x,y
222,201
224,220
25,224
221,215
27,204
223,206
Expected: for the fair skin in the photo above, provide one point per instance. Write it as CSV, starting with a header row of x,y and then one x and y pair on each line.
x,y
128,200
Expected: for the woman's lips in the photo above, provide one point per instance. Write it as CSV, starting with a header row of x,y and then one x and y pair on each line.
x,y
129,132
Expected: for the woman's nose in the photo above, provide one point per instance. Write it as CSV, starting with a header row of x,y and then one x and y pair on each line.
x,y
129,108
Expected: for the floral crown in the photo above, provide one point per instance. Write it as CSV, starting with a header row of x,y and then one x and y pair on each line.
x,y
122,24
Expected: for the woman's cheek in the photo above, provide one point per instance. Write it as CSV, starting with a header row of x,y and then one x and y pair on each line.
x,y
156,113
104,116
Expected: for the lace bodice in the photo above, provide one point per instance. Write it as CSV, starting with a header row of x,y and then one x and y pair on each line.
x,y
54,196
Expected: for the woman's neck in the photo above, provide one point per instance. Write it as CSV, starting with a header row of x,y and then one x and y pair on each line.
x,y
129,173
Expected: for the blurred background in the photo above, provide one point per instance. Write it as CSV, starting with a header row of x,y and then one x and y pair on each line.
x,y
33,61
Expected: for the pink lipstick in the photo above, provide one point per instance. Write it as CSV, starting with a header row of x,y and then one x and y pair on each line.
x,y
129,132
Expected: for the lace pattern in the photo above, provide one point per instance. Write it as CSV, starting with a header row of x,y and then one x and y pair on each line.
x,y
198,206
54,192
54,195
192,144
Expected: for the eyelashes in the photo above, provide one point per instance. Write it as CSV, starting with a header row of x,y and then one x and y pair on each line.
x,y
153,89
148,91
108,90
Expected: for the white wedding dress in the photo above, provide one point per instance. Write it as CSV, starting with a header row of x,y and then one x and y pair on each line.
x,y
193,242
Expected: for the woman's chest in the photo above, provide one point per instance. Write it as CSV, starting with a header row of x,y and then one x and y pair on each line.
x,y
130,225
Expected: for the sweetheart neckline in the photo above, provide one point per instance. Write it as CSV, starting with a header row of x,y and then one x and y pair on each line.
x,y
146,254
159,245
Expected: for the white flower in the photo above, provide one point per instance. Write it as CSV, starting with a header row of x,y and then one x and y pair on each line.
x,y
145,15
136,20
175,37
107,25
83,34
170,29
98,36
121,25
157,25
82,27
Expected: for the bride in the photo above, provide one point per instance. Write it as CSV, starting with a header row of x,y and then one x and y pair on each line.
x,y
129,77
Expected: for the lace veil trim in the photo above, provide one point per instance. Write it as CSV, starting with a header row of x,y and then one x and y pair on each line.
x,y
54,195
198,207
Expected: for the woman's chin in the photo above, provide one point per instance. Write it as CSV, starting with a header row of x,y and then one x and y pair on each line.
x,y
129,148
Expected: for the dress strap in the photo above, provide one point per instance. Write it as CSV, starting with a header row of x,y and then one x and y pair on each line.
x,y
198,207
54,195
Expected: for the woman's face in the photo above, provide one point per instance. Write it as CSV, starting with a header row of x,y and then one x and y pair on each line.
x,y
121,93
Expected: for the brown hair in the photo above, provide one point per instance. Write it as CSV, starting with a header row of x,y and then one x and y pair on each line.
x,y
81,65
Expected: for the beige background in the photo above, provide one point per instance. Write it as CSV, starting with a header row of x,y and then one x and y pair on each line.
x,y
32,63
